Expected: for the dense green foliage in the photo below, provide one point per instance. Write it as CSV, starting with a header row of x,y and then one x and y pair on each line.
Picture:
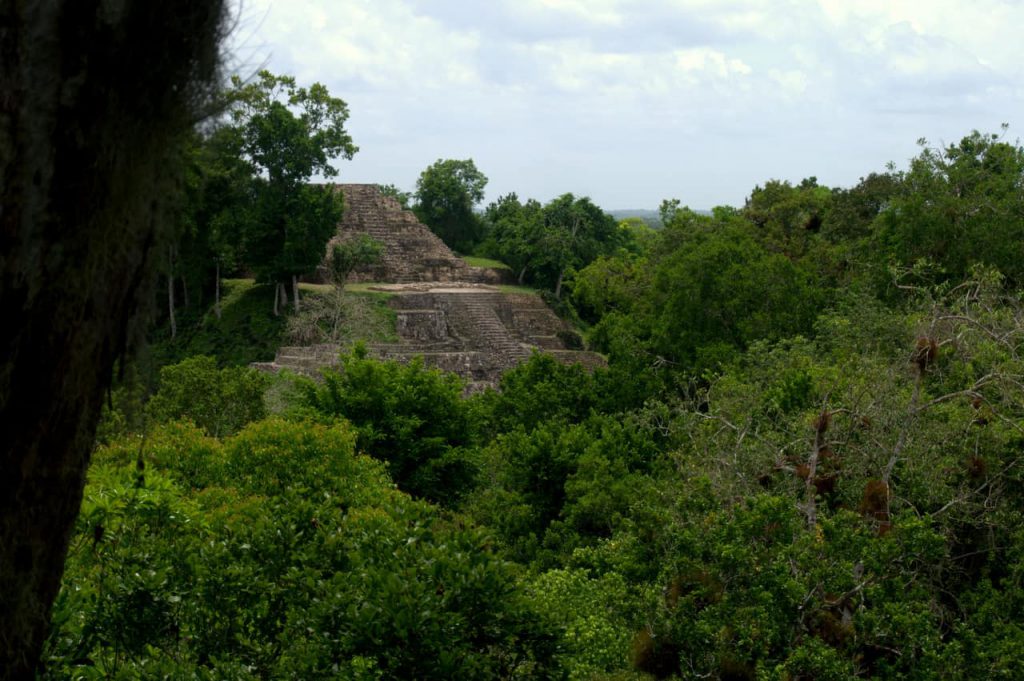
x,y
220,401
803,461
407,415
958,207
544,243
446,193
513,232
279,553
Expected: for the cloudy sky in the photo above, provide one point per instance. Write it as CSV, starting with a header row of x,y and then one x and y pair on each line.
x,y
634,101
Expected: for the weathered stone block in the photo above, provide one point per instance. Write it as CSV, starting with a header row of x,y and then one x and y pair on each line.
x,y
422,325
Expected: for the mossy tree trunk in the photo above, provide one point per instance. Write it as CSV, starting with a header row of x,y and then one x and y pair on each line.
x,y
170,293
95,96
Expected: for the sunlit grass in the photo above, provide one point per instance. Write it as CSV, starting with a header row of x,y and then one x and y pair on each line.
x,y
475,261
316,288
248,331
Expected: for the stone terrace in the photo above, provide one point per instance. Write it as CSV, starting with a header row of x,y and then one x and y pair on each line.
x,y
476,331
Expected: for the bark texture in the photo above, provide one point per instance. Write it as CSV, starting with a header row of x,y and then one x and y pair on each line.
x,y
95,96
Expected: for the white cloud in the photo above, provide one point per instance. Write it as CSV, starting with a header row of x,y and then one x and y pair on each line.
x,y
600,12
791,82
383,43
708,96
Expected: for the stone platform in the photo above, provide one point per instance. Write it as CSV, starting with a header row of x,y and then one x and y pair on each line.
x,y
473,330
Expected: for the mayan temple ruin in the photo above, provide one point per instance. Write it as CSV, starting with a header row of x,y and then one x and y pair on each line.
x,y
455,316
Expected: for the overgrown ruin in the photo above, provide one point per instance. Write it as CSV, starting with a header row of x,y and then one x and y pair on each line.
x,y
455,316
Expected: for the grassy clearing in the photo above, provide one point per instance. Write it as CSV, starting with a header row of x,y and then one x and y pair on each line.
x,y
343,317
315,288
249,332
475,261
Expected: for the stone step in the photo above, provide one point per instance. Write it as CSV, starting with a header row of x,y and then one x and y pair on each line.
x,y
548,342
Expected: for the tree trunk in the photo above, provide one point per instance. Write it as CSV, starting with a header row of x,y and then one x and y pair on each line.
x,y
810,490
339,313
558,285
184,291
277,297
295,291
170,292
522,275
216,291
89,174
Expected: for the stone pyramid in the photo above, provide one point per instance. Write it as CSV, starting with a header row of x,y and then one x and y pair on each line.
x,y
412,253
446,312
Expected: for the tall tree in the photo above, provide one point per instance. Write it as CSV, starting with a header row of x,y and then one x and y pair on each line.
x,y
715,288
546,242
958,206
289,134
446,194
218,190
576,232
787,217
95,101
514,230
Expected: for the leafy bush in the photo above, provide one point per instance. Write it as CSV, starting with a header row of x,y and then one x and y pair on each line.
x,y
295,558
596,616
220,401
411,417
538,390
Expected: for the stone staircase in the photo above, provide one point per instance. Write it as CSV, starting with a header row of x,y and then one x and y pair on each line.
x,y
412,252
473,316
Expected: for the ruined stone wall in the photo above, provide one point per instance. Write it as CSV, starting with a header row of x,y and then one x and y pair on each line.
x,y
477,333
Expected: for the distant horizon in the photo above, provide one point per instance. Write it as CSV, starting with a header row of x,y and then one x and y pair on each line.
x,y
632,102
